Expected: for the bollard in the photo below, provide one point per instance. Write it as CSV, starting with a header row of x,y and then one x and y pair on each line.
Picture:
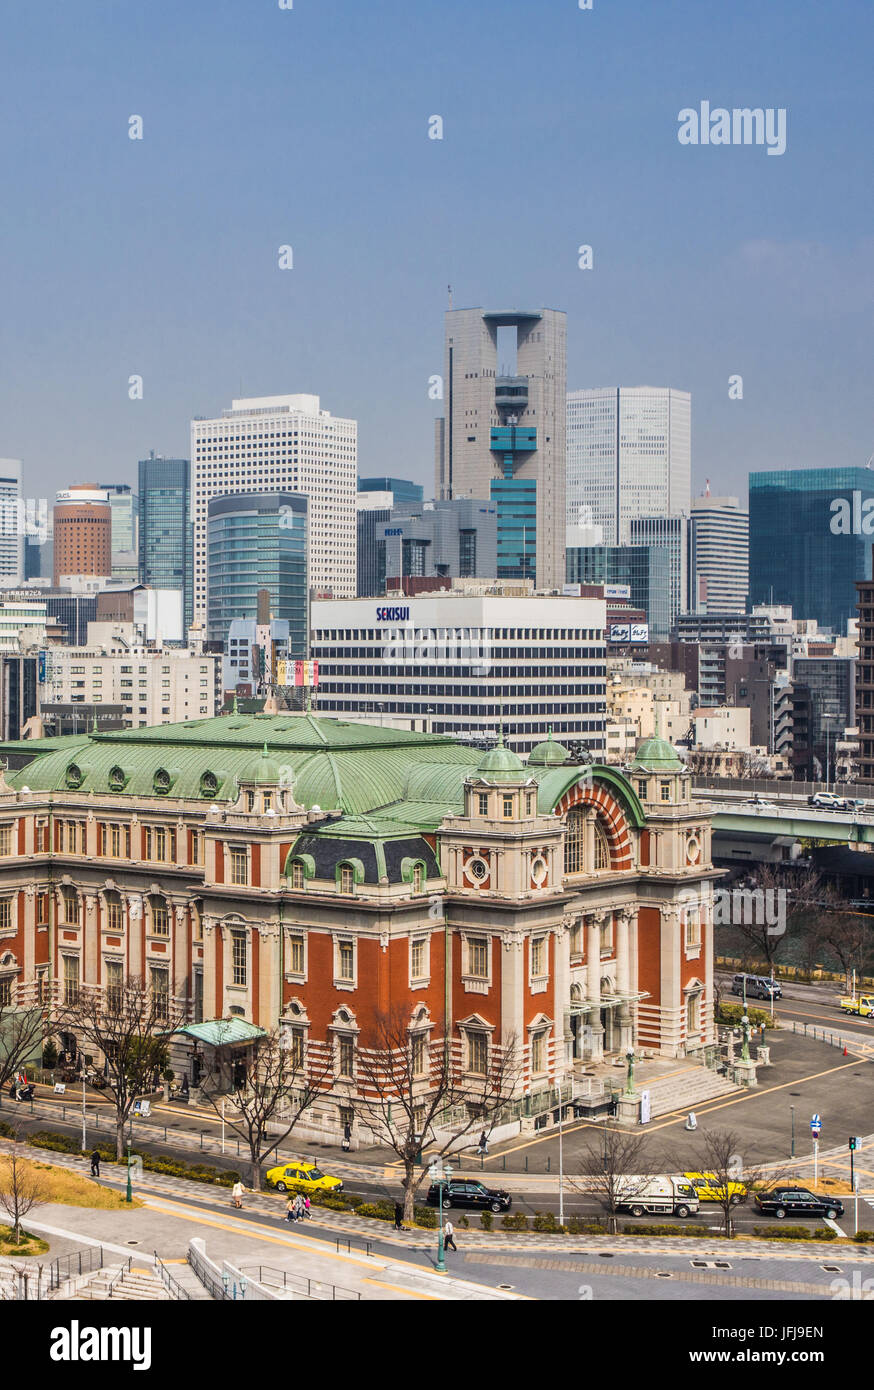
x,y
548,1161
201,1138
165,1134
504,1163
526,1163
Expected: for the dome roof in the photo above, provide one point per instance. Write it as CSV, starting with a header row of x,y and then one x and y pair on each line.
x,y
656,755
501,764
548,754
261,770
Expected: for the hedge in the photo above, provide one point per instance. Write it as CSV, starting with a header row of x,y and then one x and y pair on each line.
x,y
782,1232
862,1237
661,1231
546,1222
733,1013
153,1163
516,1221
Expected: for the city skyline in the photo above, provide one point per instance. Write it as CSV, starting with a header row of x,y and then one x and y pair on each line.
x,y
733,274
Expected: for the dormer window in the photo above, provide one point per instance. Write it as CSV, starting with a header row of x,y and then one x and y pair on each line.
x,y
347,879
418,878
297,880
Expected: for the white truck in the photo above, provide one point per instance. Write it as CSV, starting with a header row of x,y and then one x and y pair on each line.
x,y
662,1196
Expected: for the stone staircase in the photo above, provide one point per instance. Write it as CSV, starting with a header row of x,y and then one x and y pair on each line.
x,y
134,1285
685,1089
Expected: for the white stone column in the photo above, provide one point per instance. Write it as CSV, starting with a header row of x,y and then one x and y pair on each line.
x,y
593,982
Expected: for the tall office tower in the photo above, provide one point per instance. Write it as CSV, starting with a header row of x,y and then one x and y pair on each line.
x,y
671,534
810,540
123,508
11,517
629,454
503,435
83,533
430,541
164,553
865,680
719,555
286,444
256,541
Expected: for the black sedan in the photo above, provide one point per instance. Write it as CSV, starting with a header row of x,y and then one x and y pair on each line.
x,y
797,1201
464,1192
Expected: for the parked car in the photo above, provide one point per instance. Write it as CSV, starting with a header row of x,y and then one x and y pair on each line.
x,y
467,1192
708,1188
797,1201
664,1196
827,801
302,1177
757,987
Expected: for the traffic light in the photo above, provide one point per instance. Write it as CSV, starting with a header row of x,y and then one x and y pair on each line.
x,y
854,1143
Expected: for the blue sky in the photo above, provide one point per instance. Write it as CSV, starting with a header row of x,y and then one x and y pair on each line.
x,y
308,127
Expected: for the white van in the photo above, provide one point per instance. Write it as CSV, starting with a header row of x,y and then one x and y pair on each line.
x,y
662,1196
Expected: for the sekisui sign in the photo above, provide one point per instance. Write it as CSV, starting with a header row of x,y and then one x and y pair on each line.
x,y
393,615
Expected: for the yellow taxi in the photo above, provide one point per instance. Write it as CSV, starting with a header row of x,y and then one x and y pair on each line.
x,y
302,1177
708,1188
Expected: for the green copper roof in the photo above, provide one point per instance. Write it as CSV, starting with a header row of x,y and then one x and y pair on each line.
x,y
263,771
222,1032
501,764
656,755
548,754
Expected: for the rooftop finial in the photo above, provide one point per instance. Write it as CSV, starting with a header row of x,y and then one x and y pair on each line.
x,y
236,708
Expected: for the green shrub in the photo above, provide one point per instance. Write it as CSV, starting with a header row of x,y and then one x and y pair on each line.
x,y
516,1221
661,1230
545,1221
733,1013
463,1220
486,1220
333,1204
425,1216
575,1227
782,1232
152,1163
862,1237
378,1211
50,1054
6,1130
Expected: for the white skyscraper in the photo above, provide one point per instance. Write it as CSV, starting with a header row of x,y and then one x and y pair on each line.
x,y
719,554
11,522
281,444
629,455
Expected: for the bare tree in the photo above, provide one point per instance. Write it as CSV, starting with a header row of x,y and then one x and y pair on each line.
x,y
22,1187
731,1173
22,1030
129,1026
278,1086
771,903
842,932
614,1168
410,1087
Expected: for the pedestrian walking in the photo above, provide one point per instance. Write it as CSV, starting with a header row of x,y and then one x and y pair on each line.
x,y
237,1193
298,1207
347,1138
483,1143
306,1208
289,1209
95,1164
449,1237
399,1215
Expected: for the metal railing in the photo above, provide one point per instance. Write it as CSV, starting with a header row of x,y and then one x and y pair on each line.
x,y
70,1266
299,1283
117,1278
172,1285
208,1279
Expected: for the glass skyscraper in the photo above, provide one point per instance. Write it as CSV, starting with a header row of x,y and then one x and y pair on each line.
x,y
165,533
257,540
811,531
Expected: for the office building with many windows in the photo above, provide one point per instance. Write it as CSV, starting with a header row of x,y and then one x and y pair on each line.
x,y
165,536
12,517
281,444
810,540
464,664
503,434
257,541
629,454
719,555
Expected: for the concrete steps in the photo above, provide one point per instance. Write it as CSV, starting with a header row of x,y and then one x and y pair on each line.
x,y
135,1285
684,1089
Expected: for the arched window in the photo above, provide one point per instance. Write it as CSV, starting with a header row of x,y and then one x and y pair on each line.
x,y
417,878
602,848
297,874
575,841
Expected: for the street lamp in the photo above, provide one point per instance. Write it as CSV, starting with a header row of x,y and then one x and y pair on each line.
x,y
129,1196
629,1087
745,1050
440,1173
84,1136
560,1154
792,1150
